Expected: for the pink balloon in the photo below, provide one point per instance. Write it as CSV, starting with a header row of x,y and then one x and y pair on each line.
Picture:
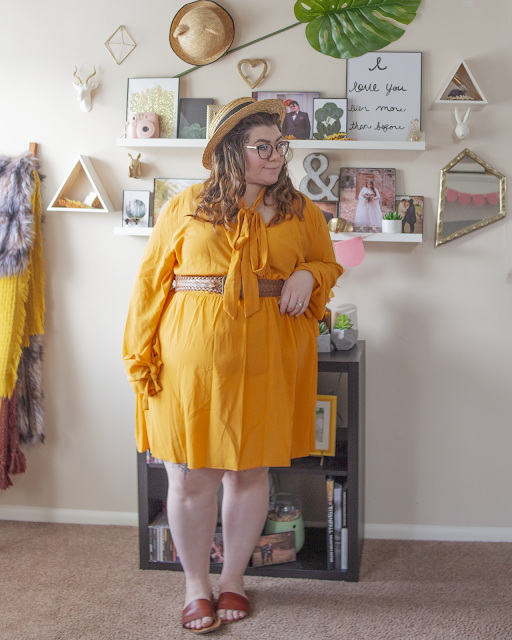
x,y
464,198
451,195
493,198
479,199
350,253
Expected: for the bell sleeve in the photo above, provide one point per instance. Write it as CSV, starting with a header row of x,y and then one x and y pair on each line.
x,y
150,291
320,261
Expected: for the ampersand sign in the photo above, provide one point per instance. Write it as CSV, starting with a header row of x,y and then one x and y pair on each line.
x,y
325,189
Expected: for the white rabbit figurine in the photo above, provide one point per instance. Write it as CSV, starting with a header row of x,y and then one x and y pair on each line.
x,y
462,129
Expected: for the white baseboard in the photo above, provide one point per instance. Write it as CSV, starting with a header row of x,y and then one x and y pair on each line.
x,y
429,532
377,531
68,516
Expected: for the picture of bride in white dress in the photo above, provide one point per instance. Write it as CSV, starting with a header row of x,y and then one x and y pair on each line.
x,y
365,196
368,212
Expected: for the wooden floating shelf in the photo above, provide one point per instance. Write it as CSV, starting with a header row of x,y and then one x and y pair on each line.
x,y
335,237
323,145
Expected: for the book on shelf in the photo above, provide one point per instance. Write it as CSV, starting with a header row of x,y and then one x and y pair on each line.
x,y
151,459
344,532
338,518
329,482
337,531
161,548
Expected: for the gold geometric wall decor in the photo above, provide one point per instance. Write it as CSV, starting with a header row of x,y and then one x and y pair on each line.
x,y
120,44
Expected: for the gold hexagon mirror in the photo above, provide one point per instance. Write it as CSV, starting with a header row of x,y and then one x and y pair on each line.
x,y
472,195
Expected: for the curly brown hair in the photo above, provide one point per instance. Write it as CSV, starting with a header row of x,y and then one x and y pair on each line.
x,y
220,196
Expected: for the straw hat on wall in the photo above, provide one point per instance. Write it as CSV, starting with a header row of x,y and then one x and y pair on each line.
x,y
231,114
201,32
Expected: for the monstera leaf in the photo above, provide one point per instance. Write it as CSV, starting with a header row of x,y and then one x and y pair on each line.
x,y
351,28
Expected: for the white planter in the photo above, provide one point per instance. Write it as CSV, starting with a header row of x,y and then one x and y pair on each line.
x,y
391,226
323,343
344,339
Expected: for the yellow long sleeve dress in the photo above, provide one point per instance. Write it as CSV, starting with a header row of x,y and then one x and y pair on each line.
x,y
224,382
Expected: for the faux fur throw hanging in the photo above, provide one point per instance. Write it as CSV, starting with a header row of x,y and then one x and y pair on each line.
x,y
21,295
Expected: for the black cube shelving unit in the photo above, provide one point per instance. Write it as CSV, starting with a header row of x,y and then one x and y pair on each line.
x,y
347,465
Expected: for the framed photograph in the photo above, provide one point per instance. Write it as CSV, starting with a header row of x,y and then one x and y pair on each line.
x,y
155,95
384,95
410,209
330,117
325,429
166,188
192,117
275,548
298,122
329,208
211,111
366,195
136,208
217,550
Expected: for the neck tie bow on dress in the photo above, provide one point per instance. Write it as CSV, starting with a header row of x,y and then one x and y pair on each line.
x,y
249,257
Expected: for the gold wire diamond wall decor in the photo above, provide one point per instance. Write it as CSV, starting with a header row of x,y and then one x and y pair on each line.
x,y
120,45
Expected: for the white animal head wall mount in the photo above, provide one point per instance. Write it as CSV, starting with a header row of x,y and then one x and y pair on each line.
x,y
84,91
462,128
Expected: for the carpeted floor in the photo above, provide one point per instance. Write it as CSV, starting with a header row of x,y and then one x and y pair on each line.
x,y
69,582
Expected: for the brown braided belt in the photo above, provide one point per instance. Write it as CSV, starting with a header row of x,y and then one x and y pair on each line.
x,y
215,284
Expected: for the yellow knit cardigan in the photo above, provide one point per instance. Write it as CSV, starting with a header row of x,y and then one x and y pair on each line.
x,y
22,304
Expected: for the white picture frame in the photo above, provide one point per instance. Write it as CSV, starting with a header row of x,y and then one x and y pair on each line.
x,y
384,95
136,209
155,95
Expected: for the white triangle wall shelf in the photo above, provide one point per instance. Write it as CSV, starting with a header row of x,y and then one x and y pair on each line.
x,y
462,75
82,166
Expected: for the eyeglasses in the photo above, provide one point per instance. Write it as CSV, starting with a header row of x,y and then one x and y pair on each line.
x,y
266,150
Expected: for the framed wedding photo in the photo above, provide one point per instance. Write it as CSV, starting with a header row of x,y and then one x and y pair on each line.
x,y
366,195
136,208
325,426
298,122
166,188
410,209
155,95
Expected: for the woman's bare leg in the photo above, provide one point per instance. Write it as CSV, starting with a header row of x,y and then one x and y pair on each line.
x,y
192,514
244,511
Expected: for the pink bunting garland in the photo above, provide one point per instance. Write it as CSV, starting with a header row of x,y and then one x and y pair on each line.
x,y
478,198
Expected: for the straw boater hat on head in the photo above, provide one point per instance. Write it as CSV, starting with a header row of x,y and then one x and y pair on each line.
x,y
230,115
201,32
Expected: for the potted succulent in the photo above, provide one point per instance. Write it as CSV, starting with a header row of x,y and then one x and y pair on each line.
x,y
343,335
392,222
323,341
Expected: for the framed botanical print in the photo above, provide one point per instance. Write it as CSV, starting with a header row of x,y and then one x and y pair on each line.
x,y
325,426
155,95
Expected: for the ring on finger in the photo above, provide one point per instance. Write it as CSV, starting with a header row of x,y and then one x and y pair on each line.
x,y
299,304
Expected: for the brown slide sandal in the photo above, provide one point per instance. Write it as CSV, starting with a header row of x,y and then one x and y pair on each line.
x,y
233,601
197,609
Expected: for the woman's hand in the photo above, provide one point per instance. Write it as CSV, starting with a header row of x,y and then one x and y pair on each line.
x,y
297,289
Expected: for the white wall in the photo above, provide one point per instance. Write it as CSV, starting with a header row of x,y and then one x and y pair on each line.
x,y
436,321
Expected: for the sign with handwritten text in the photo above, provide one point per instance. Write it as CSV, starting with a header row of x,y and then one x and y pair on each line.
x,y
384,95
